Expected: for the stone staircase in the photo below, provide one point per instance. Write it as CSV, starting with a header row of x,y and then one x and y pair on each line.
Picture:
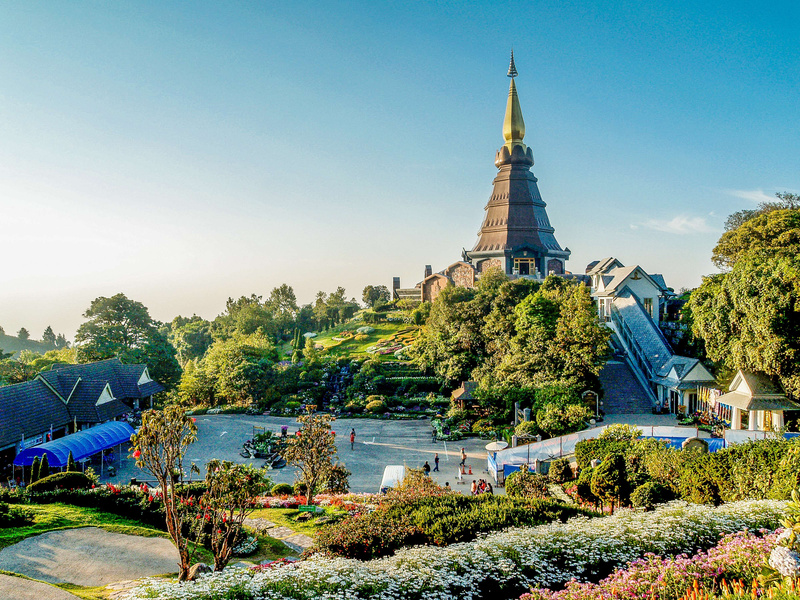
x,y
623,392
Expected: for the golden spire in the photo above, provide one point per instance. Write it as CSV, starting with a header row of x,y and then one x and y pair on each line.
x,y
513,124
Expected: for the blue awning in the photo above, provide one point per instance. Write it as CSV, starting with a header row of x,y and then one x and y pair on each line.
x,y
82,444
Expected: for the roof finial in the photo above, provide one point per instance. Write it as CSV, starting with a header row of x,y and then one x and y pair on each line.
x,y
512,69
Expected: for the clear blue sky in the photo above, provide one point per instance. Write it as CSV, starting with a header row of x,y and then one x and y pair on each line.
x,y
186,152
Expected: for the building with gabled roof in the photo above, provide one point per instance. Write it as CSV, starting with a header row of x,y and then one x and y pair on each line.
x,y
757,400
68,398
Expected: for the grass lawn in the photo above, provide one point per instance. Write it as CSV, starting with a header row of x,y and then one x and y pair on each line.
x,y
50,517
285,517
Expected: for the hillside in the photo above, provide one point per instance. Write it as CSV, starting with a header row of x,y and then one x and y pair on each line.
x,y
10,343
382,342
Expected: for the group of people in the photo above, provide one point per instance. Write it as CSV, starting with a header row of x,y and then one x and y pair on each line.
x,y
481,487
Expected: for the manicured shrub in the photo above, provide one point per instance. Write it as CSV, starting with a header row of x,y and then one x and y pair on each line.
x,y
649,494
560,471
527,429
376,407
588,450
439,520
67,480
620,432
282,489
527,484
15,516
610,481
583,487
35,469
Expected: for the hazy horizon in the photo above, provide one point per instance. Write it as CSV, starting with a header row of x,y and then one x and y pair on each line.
x,y
186,153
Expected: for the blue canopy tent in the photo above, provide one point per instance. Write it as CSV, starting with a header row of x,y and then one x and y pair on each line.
x,y
83,444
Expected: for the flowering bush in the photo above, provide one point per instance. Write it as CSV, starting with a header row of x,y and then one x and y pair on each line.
x,y
737,556
503,564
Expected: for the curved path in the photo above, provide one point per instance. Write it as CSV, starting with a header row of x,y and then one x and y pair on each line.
x,y
88,556
17,588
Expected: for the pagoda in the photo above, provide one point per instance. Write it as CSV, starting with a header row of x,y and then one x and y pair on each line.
x,y
516,234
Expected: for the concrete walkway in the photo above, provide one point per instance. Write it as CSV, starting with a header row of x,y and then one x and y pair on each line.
x,y
17,588
89,556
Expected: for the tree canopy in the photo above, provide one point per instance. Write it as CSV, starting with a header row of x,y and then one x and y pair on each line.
x,y
749,317
121,327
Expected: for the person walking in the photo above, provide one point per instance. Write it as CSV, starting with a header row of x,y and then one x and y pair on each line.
x,y
436,462
352,438
426,468
473,489
463,458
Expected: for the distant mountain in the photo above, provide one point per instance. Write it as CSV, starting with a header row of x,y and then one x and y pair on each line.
x,y
10,343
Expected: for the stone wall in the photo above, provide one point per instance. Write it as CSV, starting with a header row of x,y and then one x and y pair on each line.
x,y
555,266
487,264
432,287
463,275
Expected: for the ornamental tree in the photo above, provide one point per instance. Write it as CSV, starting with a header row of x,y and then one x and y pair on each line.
x,y
610,480
230,497
312,451
159,448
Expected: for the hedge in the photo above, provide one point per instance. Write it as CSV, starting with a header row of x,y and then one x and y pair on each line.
x,y
438,520
70,480
588,450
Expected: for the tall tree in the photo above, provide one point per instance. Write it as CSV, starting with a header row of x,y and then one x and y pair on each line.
x,y
121,327
749,317
61,341
375,294
23,334
282,303
312,451
48,337
159,448
191,337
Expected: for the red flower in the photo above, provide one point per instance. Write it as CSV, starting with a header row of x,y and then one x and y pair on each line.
x,y
149,498
194,420
137,453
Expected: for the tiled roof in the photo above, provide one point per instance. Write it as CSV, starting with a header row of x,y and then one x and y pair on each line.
x,y
28,409
650,339
761,385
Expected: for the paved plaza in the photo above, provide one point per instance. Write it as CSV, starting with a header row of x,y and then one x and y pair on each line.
x,y
378,443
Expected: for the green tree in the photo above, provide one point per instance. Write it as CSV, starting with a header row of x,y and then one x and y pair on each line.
x,y
44,467
196,387
556,420
191,337
61,341
749,317
244,316
23,334
282,302
610,480
118,326
240,369
35,469
231,495
312,451
375,294
775,232
159,448
48,337
71,466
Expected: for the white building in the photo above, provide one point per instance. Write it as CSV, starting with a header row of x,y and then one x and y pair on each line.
x,y
630,301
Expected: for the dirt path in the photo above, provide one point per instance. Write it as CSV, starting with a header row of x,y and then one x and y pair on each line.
x,y
88,556
17,588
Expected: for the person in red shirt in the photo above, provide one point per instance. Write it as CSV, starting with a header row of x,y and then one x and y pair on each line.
x,y
352,438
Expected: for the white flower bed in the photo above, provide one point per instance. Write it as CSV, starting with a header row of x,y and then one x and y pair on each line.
x,y
499,565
